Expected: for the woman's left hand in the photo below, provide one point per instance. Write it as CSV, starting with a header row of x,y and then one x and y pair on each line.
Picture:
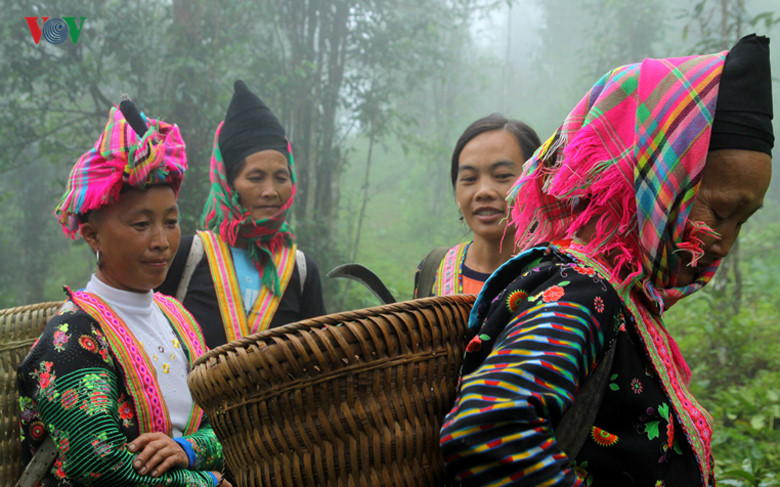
x,y
157,453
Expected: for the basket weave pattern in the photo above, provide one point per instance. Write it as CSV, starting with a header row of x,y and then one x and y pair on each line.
x,y
19,328
354,398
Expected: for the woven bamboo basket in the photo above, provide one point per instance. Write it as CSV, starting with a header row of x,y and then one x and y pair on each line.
x,y
347,399
19,328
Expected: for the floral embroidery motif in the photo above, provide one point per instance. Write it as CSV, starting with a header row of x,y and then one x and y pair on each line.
x,y
612,385
126,411
96,390
69,399
660,417
61,337
100,445
27,409
553,293
88,343
37,430
515,299
585,271
44,375
598,304
602,437
636,386
58,471
63,443
581,469
475,345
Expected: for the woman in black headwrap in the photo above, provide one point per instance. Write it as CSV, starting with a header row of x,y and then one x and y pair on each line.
x,y
252,275
630,206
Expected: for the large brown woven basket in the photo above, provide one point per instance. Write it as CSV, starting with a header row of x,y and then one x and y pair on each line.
x,y
19,328
347,399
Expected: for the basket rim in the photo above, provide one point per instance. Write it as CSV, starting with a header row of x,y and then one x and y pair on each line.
x,y
333,319
30,307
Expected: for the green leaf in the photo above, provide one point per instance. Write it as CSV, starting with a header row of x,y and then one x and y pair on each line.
x,y
758,422
651,429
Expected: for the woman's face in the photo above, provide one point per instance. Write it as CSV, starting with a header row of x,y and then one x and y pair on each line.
x,y
733,186
137,238
263,184
487,167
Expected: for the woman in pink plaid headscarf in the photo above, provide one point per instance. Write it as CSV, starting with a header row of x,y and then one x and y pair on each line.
x,y
105,386
628,207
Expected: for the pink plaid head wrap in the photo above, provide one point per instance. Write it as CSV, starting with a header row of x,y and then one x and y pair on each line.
x,y
121,158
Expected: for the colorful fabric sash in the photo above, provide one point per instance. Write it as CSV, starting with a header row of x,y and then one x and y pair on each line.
x,y
140,374
237,324
660,347
449,278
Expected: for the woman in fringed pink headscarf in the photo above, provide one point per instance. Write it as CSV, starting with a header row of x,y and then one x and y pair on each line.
x,y
629,207
105,386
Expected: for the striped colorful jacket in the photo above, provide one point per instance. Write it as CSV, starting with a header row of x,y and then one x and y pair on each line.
x,y
539,328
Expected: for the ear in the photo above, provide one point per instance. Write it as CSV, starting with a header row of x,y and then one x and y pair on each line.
x,y
90,235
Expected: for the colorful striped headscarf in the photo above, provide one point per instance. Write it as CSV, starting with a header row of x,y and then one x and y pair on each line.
x,y
630,156
121,158
225,216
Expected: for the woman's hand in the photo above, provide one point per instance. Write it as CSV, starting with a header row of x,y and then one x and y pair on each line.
x,y
157,453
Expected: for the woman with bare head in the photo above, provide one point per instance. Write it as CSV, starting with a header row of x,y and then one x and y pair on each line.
x,y
487,159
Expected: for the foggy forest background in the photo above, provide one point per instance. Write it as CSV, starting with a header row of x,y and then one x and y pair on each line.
x,y
373,94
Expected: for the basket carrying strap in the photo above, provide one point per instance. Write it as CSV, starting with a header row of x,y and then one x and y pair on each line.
x,y
578,420
196,253
40,464
428,269
193,259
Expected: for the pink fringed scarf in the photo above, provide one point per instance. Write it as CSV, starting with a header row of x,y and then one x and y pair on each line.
x,y
629,156
120,158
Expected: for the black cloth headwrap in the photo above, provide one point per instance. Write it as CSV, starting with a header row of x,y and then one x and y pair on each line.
x,y
249,127
743,116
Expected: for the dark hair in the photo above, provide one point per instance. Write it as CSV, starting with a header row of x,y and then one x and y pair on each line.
x,y
233,171
526,137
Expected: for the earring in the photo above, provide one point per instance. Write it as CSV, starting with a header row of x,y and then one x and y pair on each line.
x,y
97,257
460,218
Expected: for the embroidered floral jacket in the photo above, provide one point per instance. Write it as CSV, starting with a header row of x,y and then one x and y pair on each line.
x,y
72,387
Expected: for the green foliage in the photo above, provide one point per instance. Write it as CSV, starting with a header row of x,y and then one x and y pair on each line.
x,y
735,357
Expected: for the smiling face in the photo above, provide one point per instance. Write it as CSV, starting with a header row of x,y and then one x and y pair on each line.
x,y
263,184
487,167
137,238
733,186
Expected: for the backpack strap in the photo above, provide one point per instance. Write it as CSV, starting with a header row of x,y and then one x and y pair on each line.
x,y
300,262
428,270
577,421
40,464
193,259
